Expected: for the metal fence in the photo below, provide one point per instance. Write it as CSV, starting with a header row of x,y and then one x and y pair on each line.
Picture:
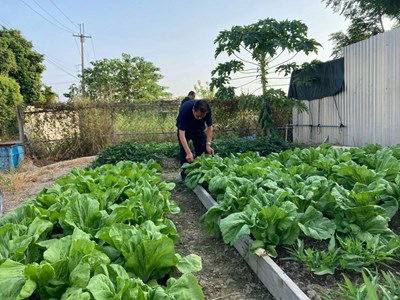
x,y
67,131
368,110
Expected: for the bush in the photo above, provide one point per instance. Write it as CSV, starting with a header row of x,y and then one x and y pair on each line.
x,y
223,147
263,145
136,152
10,97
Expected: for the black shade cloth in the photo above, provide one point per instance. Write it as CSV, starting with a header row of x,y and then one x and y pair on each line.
x,y
323,80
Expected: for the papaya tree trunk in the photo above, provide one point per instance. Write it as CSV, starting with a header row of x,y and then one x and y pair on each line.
x,y
267,103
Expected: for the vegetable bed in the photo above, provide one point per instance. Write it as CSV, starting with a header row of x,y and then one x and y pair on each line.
x,y
97,234
269,273
344,200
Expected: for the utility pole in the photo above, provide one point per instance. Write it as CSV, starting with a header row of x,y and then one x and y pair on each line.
x,y
82,37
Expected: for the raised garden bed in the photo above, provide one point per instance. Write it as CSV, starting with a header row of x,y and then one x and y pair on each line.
x,y
334,210
270,274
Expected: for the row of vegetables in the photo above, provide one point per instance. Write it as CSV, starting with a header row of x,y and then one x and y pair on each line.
x,y
97,234
340,201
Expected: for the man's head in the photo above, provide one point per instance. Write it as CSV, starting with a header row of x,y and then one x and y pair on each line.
x,y
200,109
191,95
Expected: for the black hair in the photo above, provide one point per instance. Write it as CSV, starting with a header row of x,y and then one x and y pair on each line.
x,y
191,93
201,106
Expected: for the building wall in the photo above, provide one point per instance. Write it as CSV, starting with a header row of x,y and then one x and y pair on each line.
x,y
369,106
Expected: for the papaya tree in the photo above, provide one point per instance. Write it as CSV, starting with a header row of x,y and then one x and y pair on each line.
x,y
264,42
204,91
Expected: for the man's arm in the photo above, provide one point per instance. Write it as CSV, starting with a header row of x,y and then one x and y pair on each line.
x,y
182,138
209,134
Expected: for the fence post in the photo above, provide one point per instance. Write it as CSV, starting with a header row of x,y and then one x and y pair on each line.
x,y
113,124
286,132
20,118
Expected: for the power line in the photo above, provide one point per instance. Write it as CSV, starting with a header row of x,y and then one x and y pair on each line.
x,y
77,47
61,82
61,68
55,60
94,52
4,23
54,63
67,30
63,13
87,59
51,16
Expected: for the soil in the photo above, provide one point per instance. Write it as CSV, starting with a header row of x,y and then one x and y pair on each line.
x,y
225,275
29,179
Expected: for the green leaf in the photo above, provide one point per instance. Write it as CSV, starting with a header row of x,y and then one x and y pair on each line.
x,y
185,288
41,274
80,275
56,249
315,225
39,227
83,212
28,289
234,226
73,293
12,280
119,214
121,236
101,287
277,225
210,219
151,259
81,245
189,264
371,290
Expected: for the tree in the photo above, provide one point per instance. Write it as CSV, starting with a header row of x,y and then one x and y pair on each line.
x,y
10,97
264,41
21,63
366,20
48,96
123,80
204,92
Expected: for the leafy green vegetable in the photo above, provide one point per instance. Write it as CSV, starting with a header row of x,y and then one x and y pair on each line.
x,y
79,238
318,193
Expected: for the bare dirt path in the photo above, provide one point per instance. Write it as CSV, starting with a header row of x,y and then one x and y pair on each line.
x,y
225,274
28,180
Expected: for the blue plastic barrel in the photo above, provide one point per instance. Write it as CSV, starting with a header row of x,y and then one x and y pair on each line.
x,y
11,156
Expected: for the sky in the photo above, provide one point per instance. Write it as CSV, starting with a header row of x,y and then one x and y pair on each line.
x,y
177,36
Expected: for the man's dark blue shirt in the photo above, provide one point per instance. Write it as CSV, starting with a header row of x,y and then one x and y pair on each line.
x,y
187,122
185,100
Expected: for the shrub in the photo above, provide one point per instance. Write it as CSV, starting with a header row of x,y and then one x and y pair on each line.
x,y
10,97
263,145
223,147
136,152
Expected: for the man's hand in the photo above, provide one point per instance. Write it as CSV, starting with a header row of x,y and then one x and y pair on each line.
x,y
209,149
189,157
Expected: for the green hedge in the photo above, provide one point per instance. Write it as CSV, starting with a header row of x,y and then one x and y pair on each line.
x,y
263,145
136,152
223,147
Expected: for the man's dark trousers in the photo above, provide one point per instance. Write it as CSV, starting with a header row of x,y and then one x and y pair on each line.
x,y
199,143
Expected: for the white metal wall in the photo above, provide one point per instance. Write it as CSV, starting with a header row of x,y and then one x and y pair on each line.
x,y
370,104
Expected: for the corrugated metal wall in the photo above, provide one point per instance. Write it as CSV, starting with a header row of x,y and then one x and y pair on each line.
x,y
369,107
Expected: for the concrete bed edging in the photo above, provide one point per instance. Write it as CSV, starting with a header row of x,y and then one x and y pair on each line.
x,y
270,274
